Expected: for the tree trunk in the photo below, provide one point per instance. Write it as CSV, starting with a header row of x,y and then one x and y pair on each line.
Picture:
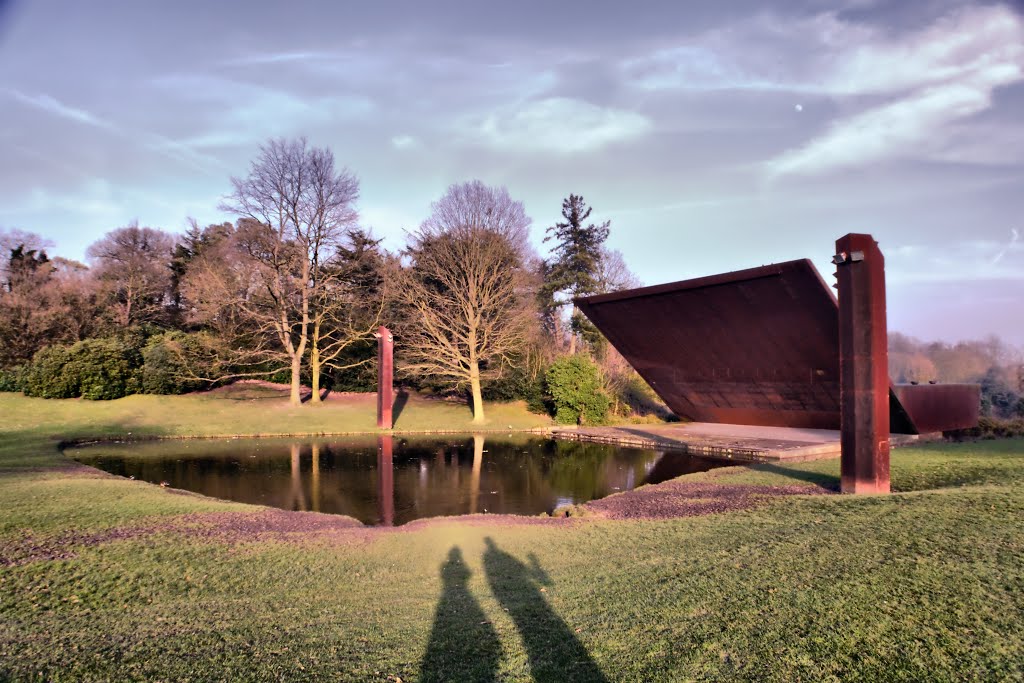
x,y
572,331
474,385
314,371
295,397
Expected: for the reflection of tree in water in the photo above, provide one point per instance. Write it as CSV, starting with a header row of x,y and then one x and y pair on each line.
x,y
463,645
555,653
587,470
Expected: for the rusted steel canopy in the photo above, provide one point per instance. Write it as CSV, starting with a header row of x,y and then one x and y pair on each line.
x,y
757,346
939,407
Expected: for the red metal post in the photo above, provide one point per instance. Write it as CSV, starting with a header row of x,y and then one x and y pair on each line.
x,y
863,365
385,480
385,377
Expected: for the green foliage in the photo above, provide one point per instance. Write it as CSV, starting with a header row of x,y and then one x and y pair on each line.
x,y
517,384
577,250
991,428
358,368
98,369
48,375
105,368
172,361
11,379
574,384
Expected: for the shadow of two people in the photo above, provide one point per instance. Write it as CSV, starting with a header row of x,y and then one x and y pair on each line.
x,y
464,646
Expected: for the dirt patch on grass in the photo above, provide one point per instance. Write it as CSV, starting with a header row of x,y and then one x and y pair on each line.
x,y
224,527
673,499
245,526
27,547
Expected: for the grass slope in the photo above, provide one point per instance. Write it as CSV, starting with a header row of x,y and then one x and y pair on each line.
x,y
925,584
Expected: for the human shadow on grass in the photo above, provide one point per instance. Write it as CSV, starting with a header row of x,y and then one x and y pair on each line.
x,y
555,652
463,644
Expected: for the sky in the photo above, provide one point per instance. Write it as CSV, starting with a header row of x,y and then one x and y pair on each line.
x,y
714,136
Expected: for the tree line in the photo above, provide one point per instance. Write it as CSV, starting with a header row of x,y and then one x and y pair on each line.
x,y
293,290
997,367
295,287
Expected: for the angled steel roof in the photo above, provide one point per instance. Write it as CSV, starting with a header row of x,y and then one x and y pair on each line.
x,y
757,346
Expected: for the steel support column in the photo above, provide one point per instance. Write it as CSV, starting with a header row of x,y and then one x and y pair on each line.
x,y
863,365
385,377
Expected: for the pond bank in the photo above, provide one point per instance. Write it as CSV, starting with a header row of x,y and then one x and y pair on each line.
x,y
743,443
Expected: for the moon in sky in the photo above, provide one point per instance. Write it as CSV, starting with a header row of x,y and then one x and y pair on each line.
x,y
799,107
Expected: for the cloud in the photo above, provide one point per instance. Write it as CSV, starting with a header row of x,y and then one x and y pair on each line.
x,y
277,58
235,113
152,141
54,106
1014,238
560,125
957,261
884,132
947,73
404,142
898,91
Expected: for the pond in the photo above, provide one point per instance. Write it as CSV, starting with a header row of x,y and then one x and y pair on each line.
x,y
385,480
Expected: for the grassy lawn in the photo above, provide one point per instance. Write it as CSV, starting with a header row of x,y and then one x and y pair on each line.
x,y
122,581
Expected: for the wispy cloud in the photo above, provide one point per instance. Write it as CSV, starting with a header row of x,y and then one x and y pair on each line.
x,y
146,139
234,113
962,260
1014,238
947,73
262,59
404,142
52,105
560,125
898,90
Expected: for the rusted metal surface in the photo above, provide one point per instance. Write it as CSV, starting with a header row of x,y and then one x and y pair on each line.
x,y
757,346
940,407
863,365
385,377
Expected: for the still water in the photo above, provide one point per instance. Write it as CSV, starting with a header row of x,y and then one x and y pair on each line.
x,y
393,480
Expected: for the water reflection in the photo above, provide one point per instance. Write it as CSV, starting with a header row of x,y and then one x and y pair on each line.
x,y
389,480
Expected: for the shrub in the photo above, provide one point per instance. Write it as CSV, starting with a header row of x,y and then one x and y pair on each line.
x,y
574,384
516,384
48,376
11,378
106,368
989,428
96,369
171,361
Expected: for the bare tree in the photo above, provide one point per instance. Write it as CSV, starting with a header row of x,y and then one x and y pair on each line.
x,y
132,267
464,289
299,205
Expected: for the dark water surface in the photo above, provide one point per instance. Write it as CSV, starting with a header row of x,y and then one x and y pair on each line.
x,y
393,480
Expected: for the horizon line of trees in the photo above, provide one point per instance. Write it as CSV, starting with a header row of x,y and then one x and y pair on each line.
x,y
293,290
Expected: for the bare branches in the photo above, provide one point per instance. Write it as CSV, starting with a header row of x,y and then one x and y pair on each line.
x,y
463,291
294,207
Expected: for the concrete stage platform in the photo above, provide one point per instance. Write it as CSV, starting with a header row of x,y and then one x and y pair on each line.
x,y
735,442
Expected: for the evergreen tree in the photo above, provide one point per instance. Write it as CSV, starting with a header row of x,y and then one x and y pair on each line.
x,y
575,265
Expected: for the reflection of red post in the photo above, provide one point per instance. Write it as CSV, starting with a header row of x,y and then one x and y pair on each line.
x,y
863,365
385,481
385,377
